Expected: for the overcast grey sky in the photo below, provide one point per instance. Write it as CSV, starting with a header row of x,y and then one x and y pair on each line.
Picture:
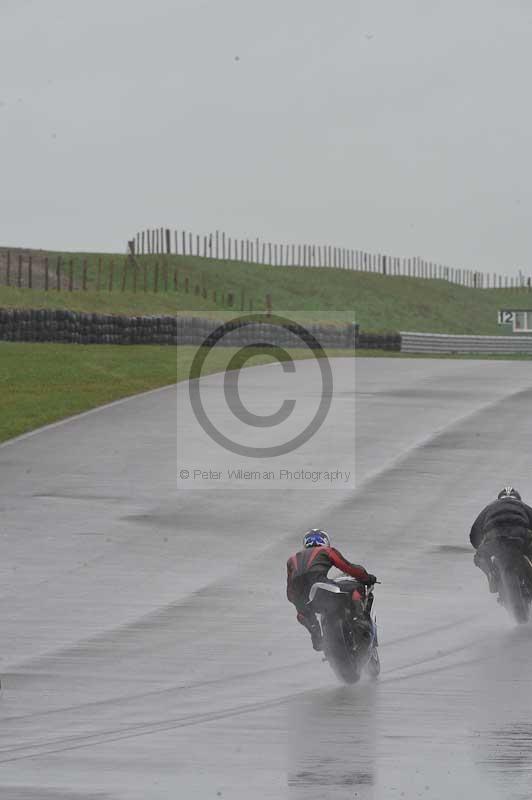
x,y
395,126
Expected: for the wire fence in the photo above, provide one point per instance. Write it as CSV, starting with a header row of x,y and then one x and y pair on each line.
x,y
119,274
220,246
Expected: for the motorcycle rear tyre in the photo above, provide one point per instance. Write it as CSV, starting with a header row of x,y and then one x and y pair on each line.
x,y
514,601
338,652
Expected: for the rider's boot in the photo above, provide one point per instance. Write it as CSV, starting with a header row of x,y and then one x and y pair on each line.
x,y
489,571
313,627
317,638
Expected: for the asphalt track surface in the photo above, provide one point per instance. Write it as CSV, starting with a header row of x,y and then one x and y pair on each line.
x,y
148,650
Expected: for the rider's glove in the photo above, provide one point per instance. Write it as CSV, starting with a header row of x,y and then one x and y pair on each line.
x,y
370,580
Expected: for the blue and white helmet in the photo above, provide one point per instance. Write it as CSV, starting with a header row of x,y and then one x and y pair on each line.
x,y
316,538
509,491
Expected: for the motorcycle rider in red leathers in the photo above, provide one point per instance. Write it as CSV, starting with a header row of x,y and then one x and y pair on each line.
x,y
311,565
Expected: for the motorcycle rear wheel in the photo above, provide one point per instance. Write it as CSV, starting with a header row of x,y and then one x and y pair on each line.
x,y
517,605
338,652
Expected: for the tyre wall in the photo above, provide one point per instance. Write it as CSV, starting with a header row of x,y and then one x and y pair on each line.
x,y
76,327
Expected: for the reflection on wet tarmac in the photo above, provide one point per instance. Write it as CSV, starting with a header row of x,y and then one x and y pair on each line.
x,y
504,749
332,744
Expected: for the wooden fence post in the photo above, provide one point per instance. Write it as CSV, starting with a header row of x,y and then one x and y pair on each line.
x,y
71,275
197,244
84,281
46,274
30,272
111,274
58,274
183,243
8,268
176,278
124,274
269,304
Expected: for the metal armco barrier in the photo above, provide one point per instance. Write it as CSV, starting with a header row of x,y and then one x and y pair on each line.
x,y
448,343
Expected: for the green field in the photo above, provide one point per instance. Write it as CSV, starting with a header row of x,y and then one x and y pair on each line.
x,y
379,303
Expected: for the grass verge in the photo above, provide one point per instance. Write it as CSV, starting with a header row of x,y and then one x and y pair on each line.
x,y
43,383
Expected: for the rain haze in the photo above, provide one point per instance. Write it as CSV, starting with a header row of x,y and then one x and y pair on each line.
x,y
391,127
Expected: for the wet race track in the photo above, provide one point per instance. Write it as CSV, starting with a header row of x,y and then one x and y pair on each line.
x,y
147,647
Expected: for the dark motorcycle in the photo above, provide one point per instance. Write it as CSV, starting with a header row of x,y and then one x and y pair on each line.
x,y
349,632
512,569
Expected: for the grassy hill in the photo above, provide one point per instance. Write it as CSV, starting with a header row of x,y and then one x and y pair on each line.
x,y
379,303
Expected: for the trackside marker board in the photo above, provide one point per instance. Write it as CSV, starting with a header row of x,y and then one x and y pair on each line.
x,y
519,319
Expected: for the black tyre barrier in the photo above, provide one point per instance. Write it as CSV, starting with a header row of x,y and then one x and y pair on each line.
x,y
77,327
